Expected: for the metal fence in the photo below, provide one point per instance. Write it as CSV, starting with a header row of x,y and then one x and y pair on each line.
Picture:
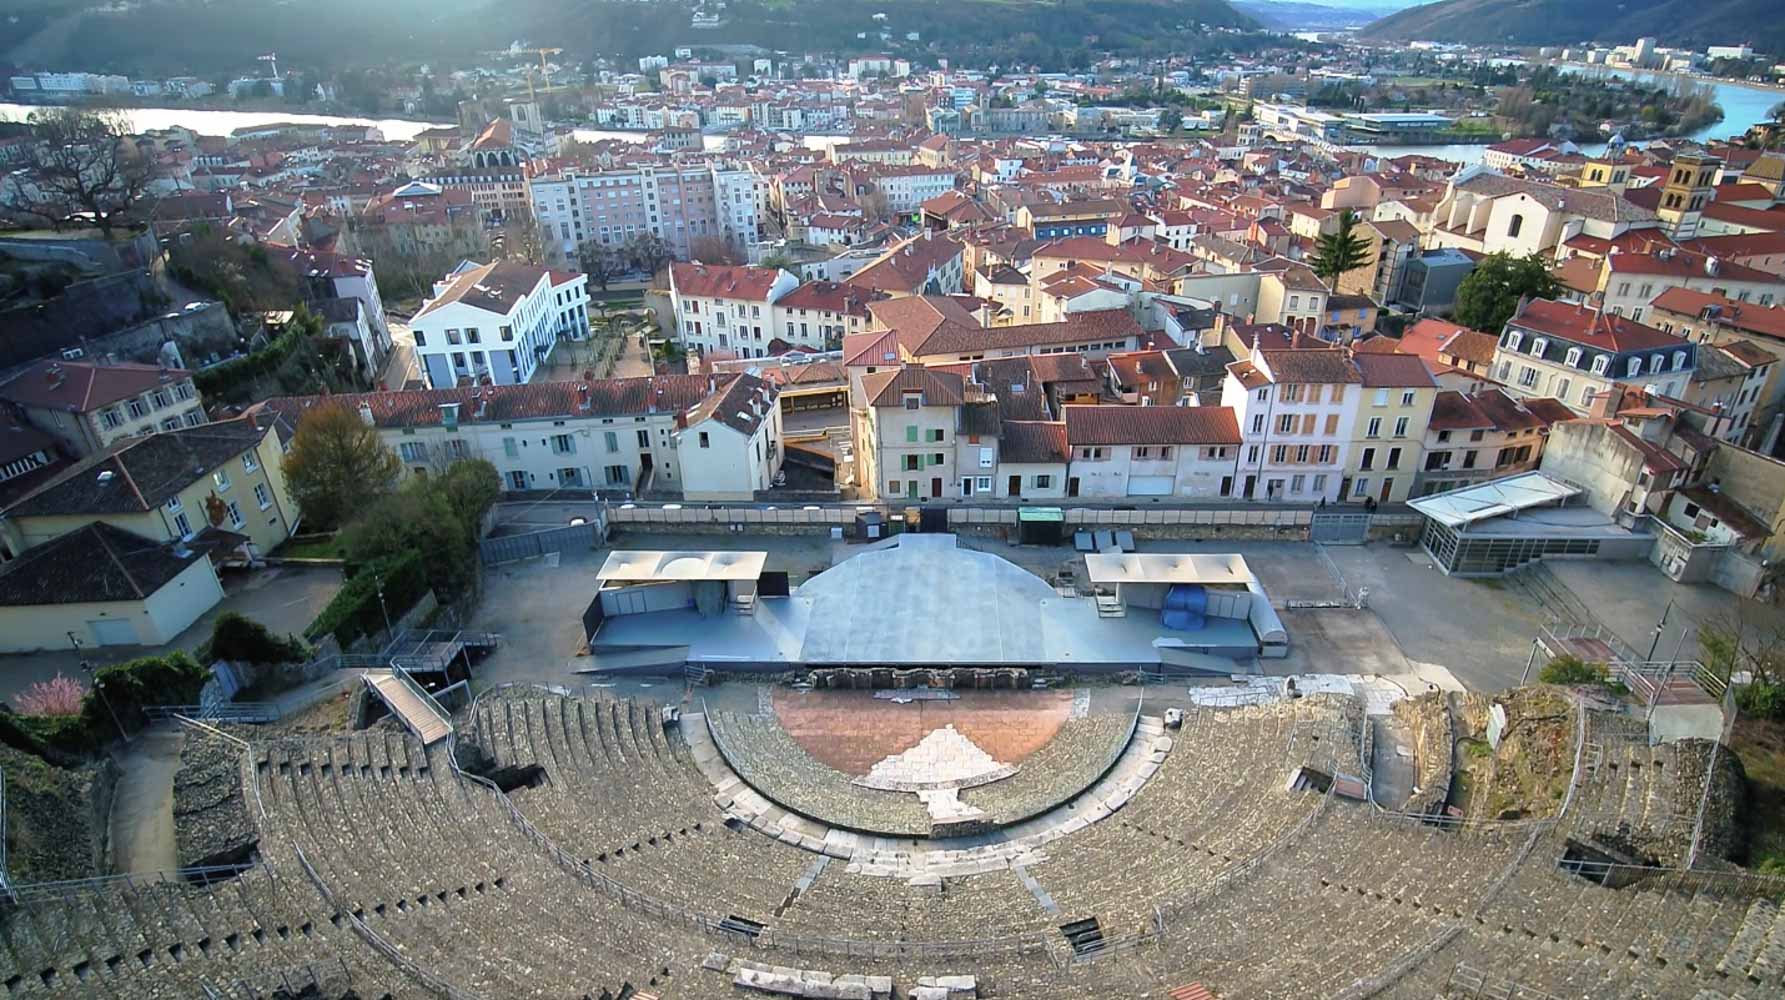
x,y
240,712
513,548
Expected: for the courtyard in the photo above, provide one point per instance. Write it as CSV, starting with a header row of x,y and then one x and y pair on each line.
x,y
1415,618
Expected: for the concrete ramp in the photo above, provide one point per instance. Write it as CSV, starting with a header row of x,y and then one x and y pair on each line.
x,y
419,712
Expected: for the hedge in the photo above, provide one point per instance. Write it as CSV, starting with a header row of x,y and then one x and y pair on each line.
x,y
356,611
240,639
125,689
225,379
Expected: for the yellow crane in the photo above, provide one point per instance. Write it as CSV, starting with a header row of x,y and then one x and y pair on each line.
x,y
543,70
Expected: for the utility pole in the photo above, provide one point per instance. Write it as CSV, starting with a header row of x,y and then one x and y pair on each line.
x,y
87,668
1660,626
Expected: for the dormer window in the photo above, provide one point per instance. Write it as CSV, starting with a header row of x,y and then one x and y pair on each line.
x,y
1601,364
1635,367
1655,362
1679,360
1538,346
1513,340
1573,359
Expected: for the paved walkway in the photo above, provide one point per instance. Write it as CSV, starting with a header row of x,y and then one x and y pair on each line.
x,y
142,819
400,367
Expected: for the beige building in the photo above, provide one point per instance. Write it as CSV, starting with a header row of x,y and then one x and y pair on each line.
x,y
217,486
908,432
103,586
1575,354
1388,433
86,406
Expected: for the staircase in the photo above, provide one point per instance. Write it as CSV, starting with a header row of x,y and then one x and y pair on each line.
x,y
419,712
743,604
1110,606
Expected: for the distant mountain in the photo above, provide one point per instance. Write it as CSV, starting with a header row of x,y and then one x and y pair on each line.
x,y
225,36
1289,15
1695,23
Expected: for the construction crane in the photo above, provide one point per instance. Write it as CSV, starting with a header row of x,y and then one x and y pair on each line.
x,y
544,71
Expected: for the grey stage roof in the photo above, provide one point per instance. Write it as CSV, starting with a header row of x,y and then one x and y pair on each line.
x,y
923,600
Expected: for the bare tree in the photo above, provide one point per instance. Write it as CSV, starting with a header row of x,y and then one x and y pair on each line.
x,y
81,165
713,250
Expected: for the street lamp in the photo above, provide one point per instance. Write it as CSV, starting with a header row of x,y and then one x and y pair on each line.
x,y
378,581
1660,627
88,669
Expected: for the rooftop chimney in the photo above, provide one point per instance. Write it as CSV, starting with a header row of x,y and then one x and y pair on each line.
x,y
584,398
365,414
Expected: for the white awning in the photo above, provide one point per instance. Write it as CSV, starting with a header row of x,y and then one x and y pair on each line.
x,y
1498,498
654,566
1226,569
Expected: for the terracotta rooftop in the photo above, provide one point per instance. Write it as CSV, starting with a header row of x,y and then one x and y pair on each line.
x,y
82,387
1148,425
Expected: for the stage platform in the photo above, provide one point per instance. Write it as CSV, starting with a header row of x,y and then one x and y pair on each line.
x,y
922,601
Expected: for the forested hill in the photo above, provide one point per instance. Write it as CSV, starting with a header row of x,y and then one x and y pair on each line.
x,y
205,38
1694,23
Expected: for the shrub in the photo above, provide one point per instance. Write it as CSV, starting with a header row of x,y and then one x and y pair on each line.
x,y
173,679
1570,669
356,611
60,695
242,640
1762,699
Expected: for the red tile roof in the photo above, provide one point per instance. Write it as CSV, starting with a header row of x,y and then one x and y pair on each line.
x,y
1581,325
1123,425
1767,320
939,388
721,281
1033,441
506,403
1392,371
81,387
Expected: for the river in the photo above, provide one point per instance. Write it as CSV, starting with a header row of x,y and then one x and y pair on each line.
x,y
209,122
1742,106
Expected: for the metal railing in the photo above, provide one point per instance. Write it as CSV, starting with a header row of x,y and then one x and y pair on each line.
x,y
26,893
5,879
377,940
211,731
247,712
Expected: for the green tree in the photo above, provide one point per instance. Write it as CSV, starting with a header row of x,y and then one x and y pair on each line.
x,y
336,466
1489,296
1170,120
1339,251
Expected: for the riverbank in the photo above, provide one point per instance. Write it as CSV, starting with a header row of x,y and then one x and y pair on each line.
x,y
1715,81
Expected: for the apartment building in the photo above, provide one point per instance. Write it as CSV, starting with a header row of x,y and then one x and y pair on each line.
x,y
622,435
1474,437
817,315
907,433
86,406
925,264
1188,452
1627,284
1296,410
1389,430
727,308
216,485
495,323
679,203
730,442
1574,353
935,329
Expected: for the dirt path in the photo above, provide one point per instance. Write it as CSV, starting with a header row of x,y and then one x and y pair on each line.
x,y
143,810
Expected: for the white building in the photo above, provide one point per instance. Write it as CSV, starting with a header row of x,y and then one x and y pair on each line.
x,y
494,323
1296,410
1151,451
632,435
730,444
725,308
